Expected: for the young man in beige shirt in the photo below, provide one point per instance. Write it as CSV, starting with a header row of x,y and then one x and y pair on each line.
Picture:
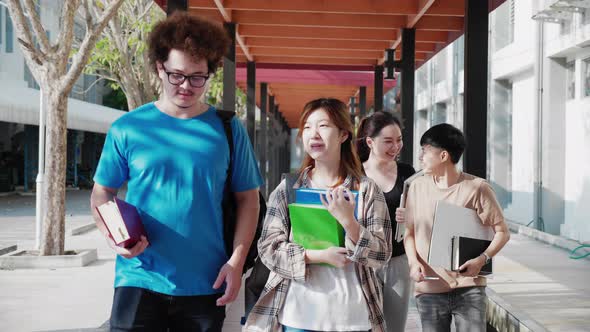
x,y
454,295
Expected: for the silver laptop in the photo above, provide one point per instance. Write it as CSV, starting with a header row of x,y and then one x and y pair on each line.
x,y
453,220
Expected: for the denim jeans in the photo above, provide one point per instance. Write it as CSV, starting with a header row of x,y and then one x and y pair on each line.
x,y
467,306
138,309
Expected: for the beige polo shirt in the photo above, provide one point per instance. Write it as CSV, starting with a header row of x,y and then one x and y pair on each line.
x,y
470,192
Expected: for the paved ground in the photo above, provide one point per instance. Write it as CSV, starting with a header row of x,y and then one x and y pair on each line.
x,y
543,282
536,279
72,299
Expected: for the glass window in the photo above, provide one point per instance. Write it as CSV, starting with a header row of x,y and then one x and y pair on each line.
x,y
1,13
439,114
571,80
587,77
565,27
460,53
440,66
28,76
503,25
9,32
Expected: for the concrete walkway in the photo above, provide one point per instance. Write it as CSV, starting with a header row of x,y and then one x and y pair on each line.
x,y
542,283
539,281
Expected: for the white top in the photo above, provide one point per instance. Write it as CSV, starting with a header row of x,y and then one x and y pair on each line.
x,y
330,299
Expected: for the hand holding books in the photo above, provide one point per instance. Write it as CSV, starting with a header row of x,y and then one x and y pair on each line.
x,y
319,230
126,234
340,206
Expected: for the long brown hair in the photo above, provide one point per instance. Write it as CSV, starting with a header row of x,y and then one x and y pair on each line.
x,y
371,126
338,114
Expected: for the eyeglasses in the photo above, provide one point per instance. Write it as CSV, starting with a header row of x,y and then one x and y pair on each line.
x,y
196,81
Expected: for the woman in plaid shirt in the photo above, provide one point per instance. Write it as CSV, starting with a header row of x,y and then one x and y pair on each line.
x,y
343,293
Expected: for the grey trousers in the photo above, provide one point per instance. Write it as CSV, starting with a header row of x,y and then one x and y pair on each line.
x,y
397,287
466,306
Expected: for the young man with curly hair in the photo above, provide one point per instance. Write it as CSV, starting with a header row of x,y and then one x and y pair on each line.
x,y
174,155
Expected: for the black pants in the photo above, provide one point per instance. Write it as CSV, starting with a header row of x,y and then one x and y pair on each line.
x,y
138,309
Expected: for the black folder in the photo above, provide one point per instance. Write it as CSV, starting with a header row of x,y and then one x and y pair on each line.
x,y
466,248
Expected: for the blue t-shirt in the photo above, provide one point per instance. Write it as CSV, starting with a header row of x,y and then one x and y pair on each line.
x,y
176,171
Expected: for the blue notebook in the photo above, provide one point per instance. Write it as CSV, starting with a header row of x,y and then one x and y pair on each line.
x,y
312,196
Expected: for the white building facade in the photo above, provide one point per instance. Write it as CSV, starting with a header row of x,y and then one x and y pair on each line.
x,y
538,113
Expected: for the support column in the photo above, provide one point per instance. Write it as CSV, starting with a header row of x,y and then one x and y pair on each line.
x,y
352,106
251,101
263,135
407,92
362,101
229,70
475,108
378,100
270,145
174,5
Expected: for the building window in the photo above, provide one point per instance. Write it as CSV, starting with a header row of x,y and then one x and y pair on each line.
x,y
586,16
571,80
1,13
503,25
9,33
439,114
565,27
31,82
587,77
460,53
440,66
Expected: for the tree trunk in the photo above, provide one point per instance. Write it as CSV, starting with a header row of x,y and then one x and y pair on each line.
x,y
54,196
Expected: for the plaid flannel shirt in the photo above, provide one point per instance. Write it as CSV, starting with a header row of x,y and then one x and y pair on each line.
x,y
286,260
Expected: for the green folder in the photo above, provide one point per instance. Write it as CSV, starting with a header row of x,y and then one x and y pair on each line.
x,y
314,227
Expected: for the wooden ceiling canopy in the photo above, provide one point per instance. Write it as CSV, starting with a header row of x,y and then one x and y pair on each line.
x,y
314,34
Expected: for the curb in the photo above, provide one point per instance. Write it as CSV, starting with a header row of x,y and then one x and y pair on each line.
x,y
16,260
504,317
7,248
554,240
82,229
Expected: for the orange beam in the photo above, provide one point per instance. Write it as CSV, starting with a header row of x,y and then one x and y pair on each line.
x,y
447,8
310,86
381,7
314,33
317,53
316,43
322,61
202,4
212,14
431,36
423,6
440,23
353,21
425,47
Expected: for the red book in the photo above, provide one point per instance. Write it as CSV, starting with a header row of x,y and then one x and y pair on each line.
x,y
122,221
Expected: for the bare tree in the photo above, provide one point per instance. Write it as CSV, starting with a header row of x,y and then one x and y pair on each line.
x,y
56,68
121,56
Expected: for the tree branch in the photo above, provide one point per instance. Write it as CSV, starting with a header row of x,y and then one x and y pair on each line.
x,y
38,29
81,58
66,34
100,78
33,57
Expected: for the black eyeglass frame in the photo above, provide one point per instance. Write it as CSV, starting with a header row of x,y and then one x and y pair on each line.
x,y
185,77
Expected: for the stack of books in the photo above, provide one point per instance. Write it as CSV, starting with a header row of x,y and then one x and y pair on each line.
x,y
312,225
